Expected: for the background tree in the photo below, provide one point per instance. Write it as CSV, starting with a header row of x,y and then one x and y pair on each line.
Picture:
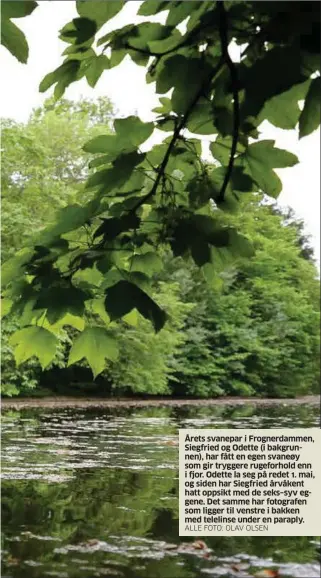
x,y
43,165
259,330
43,168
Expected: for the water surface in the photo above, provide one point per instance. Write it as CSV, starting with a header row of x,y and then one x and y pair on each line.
x,y
95,493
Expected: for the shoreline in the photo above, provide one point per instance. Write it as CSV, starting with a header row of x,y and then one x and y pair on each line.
x,y
109,403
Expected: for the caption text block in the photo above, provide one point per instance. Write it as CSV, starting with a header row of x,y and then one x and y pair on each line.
x,y
250,482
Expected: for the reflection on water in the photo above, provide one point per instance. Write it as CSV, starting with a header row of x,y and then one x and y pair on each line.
x,y
95,493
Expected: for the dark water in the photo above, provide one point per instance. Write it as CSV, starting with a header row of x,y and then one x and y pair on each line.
x,y
95,493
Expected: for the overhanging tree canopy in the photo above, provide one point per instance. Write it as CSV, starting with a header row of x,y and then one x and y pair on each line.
x,y
139,200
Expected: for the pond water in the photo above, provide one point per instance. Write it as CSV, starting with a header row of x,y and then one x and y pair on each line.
x,y
95,493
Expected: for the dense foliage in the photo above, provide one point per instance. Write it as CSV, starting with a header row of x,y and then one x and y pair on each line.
x,y
258,332
96,263
250,328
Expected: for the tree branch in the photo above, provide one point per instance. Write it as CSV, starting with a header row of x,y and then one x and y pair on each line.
x,y
223,28
176,136
158,54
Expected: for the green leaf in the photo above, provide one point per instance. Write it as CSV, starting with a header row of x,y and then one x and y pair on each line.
x,y
283,110
239,245
105,144
221,149
117,175
11,36
6,305
193,231
166,106
112,227
207,226
223,119
133,130
34,342
104,265
99,161
95,345
216,178
79,30
171,72
88,277
80,52
275,73
201,252
97,307
72,321
112,277
180,240
97,66
24,308
13,268
179,72
273,157
14,40
84,57
67,321
138,57
157,153
68,219
152,35
61,300
138,278
167,124
199,190
259,161
17,8
210,274
310,116
200,121
126,163
113,145
178,11
169,39
239,181
63,76
148,263
117,56
201,233
131,318
150,7
125,296
100,11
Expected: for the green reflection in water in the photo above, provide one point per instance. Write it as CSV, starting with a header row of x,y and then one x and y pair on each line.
x,y
117,514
